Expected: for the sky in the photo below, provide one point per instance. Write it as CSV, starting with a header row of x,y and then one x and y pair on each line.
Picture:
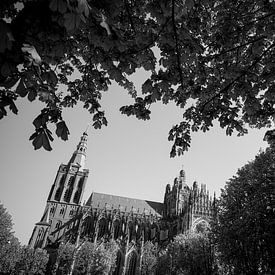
x,y
129,157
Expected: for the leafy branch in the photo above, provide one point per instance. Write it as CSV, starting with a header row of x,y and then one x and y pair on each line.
x,y
237,78
237,47
177,43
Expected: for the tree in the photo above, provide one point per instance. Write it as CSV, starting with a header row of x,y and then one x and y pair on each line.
x,y
149,258
15,258
91,258
96,258
191,254
245,225
65,258
9,244
32,261
213,59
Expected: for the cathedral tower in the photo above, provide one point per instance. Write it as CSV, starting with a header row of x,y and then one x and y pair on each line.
x,y
64,198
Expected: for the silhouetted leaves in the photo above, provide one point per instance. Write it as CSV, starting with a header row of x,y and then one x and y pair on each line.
x,y
62,130
218,56
42,137
7,100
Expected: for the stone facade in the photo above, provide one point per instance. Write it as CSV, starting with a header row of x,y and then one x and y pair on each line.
x,y
131,222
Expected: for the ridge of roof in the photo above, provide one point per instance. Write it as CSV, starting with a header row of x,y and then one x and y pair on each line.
x,y
125,204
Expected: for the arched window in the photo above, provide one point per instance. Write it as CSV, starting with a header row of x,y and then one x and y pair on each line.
x,y
69,190
78,191
60,188
101,227
61,211
131,264
118,263
58,225
52,210
39,239
131,230
71,212
116,229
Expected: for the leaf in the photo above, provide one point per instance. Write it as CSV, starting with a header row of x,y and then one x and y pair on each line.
x,y
53,5
45,96
72,21
45,141
7,100
40,120
83,7
52,77
32,95
37,122
33,136
62,130
6,37
32,54
21,88
10,82
37,140
49,134
13,107
6,69
40,138
58,5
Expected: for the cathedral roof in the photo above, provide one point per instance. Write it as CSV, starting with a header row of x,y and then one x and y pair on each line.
x,y
125,204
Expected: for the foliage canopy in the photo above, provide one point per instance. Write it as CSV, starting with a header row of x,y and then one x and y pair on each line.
x,y
91,258
14,258
244,229
188,254
213,59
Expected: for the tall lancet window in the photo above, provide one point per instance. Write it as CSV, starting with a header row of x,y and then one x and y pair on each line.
x,y
78,191
60,188
101,227
39,238
118,263
69,190
116,229
132,263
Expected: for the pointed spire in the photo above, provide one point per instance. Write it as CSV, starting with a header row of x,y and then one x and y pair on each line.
x,y
79,155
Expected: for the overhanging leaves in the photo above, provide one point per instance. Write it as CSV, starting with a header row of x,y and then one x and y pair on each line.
x,y
218,55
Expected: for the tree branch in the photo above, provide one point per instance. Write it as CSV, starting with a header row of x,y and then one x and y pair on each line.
x,y
154,40
129,15
176,41
238,77
237,47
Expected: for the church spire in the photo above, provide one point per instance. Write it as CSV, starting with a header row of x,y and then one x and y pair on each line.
x,y
79,155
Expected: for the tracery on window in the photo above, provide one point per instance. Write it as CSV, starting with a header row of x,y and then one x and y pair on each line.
x,y
60,188
118,263
69,190
101,227
131,263
78,191
116,226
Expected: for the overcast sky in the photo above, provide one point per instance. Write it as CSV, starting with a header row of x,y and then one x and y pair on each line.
x,y
127,158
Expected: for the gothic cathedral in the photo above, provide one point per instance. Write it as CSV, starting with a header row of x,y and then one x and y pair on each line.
x,y
129,221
